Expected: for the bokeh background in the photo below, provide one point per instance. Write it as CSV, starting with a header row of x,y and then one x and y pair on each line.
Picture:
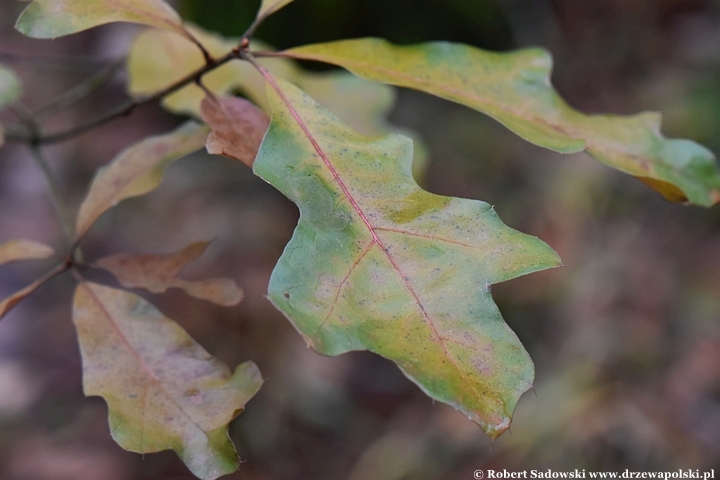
x,y
625,337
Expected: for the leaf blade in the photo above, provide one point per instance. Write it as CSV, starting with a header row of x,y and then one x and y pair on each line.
x,y
22,249
136,171
530,107
268,7
346,279
158,272
171,394
17,297
55,18
237,125
10,88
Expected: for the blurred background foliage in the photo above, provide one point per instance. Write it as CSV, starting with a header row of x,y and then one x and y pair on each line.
x,y
625,337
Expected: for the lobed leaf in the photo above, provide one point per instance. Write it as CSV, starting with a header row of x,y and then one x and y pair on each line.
x,y
55,18
237,125
137,170
378,264
514,88
163,390
21,249
158,272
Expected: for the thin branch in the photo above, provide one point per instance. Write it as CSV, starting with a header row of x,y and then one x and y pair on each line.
x,y
15,134
55,63
56,198
209,60
79,92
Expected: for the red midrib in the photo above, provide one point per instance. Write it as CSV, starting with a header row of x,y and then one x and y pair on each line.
x,y
348,195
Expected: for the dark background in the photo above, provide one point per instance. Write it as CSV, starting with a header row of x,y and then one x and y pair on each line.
x,y
625,337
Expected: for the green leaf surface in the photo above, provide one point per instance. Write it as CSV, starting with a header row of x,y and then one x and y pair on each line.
x,y
163,390
514,88
378,264
137,170
10,90
55,18
158,272
9,86
21,249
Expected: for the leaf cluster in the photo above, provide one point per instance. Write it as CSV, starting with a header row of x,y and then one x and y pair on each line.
x,y
376,263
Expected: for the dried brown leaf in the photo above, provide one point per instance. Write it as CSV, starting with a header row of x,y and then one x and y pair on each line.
x,y
237,125
158,272
17,297
21,249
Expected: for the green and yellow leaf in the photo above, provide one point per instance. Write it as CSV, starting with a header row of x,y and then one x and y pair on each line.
x,y
158,272
55,18
10,88
514,88
378,264
163,390
137,170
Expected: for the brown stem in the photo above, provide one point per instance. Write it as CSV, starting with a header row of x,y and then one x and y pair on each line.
x,y
37,138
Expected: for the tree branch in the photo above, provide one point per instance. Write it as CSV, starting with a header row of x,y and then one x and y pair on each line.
x,y
16,134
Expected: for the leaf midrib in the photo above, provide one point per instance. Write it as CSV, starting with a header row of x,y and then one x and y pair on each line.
x,y
361,213
142,363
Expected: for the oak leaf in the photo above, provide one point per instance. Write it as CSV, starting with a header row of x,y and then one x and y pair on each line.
x,y
55,18
158,272
378,264
163,390
514,88
237,125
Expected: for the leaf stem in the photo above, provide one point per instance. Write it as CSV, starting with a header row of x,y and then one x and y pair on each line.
x,y
61,208
56,198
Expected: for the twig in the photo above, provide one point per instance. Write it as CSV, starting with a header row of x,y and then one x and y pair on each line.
x,y
56,197
79,91
14,134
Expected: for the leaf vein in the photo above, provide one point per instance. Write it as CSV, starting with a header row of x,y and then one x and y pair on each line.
x,y
321,153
